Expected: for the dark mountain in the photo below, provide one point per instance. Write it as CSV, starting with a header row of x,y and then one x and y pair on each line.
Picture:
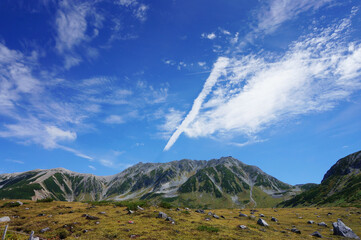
x,y
340,186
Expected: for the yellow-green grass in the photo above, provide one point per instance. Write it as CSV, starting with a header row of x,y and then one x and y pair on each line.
x,y
114,224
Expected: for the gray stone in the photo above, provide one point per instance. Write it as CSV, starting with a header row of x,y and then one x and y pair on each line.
x,y
261,215
91,217
140,208
322,224
340,229
310,222
242,227
210,214
162,215
243,215
130,212
101,212
5,219
295,230
274,219
215,216
45,230
262,222
20,203
200,211
316,234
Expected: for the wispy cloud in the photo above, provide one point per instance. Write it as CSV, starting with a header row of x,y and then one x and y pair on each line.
x,y
92,167
114,119
14,161
247,94
209,36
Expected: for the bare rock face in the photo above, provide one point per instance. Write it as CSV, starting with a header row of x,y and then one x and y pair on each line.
x,y
340,229
162,215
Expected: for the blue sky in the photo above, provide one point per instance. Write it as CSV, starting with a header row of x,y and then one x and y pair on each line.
x,y
96,87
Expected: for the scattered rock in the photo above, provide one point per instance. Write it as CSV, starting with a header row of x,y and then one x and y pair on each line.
x,y
85,231
134,236
295,230
242,226
261,215
200,211
316,234
210,214
215,216
223,217
84,215
322,224
162,215
310,222
91,217
20,203
41,214
27,208
140,208
130,212
340,229
71,211
243,215
177,209
45,230
97,222
101,212
329,214
5,219
262,222
169,219
186,208
207,219
274,219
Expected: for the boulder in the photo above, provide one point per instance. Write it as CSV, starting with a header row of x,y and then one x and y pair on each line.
x,y
162,215
310,222
210,214
261,215
295,230
130,212
215,216
262,222
322,224
274,219
140,208
340,229
243,215
316,234
223,217
5,219
177,209
91,217
242,227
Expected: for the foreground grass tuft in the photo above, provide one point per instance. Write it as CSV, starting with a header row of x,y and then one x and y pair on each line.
x,y
208,228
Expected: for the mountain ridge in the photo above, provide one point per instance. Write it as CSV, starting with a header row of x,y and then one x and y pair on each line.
x,y
226,180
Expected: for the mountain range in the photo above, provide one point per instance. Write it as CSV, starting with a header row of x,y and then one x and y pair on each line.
x,y
217,183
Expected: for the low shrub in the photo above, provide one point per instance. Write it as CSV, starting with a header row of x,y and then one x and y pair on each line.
x,y
11,204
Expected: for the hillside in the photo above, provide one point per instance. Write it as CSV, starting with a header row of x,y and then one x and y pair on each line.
x,y
224,182
341,186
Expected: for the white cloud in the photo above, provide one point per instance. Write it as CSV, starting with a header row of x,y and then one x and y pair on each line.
x,y
107,163
279,11
141,12
71,24
252,92
92,167
210,36
114,119
201,64
217,71
172,120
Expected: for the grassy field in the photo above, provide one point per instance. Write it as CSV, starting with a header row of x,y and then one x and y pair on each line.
x,y
65,221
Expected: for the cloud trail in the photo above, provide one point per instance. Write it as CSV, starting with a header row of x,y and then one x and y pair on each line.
x,y
217,71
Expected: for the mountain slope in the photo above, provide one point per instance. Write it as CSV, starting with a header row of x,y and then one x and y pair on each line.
x,y
341,185
224,182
